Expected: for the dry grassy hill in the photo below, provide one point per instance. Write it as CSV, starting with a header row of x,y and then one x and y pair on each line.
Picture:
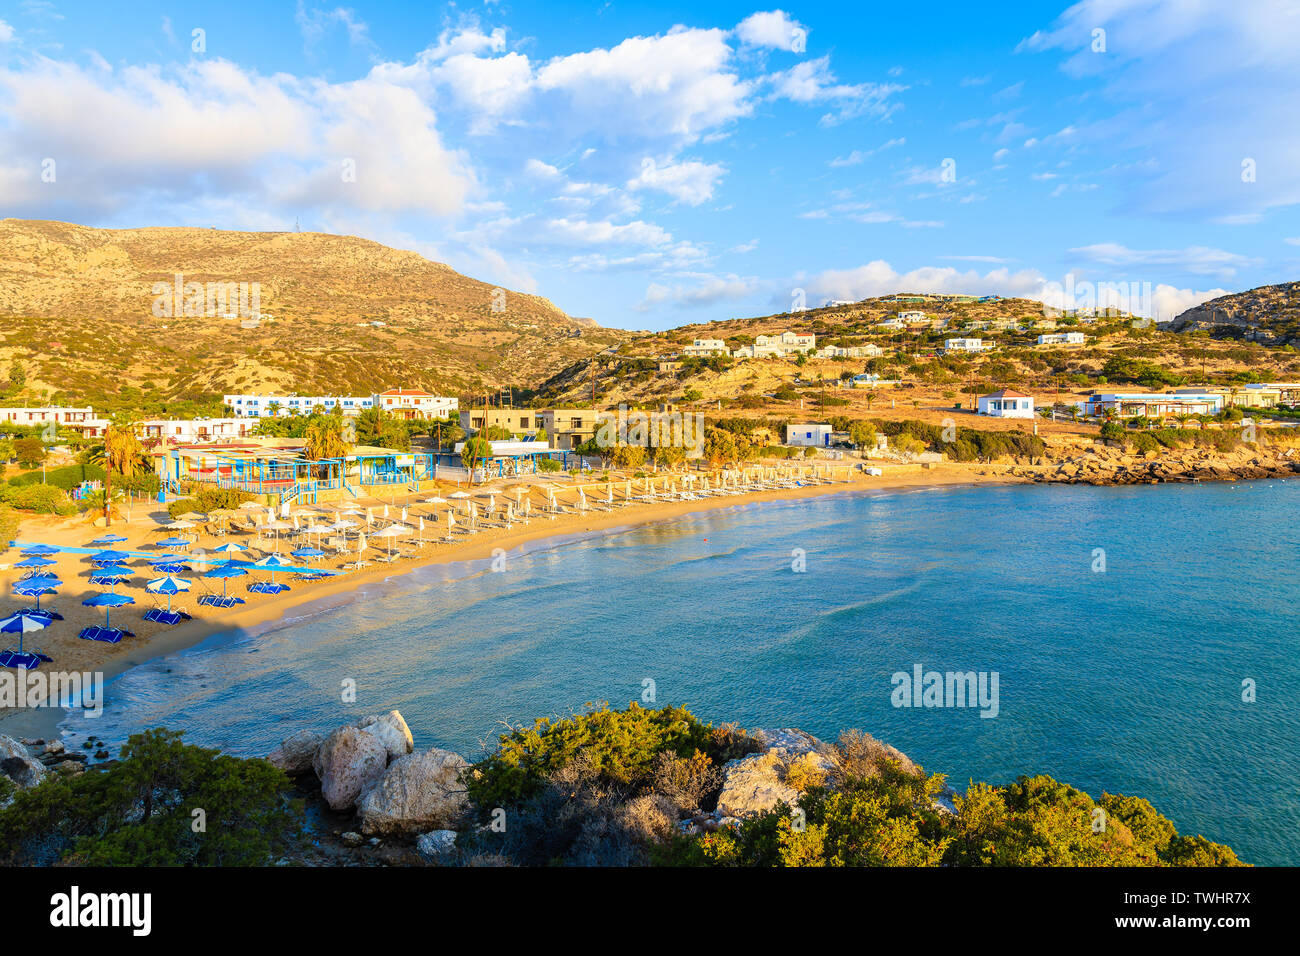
x,y
77,319
634,373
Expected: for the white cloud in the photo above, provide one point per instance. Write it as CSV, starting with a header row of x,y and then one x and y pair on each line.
x,y
773,29
1222,75
861,155
708,290
1199,260
6,32
689,182
880,278
211,126
812,82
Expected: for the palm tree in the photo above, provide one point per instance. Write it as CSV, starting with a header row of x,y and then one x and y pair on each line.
x,y
121,452
323,438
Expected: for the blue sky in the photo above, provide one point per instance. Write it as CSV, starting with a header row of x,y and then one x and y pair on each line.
x,y
652,166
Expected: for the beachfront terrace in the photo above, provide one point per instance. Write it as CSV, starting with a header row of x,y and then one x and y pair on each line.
x,y
284,471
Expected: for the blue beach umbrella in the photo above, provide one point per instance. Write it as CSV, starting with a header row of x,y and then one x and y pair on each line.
x,y
108,539
308,553
42,580
35,561
225,572
27,589
108,600
40,549
169,558
229,548
110,574
173,542
24,622
109,557
168,586
270,563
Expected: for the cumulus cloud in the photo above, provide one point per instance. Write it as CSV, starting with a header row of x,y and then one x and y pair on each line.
x,y
773,29
705,291
689,182
212,127
880,278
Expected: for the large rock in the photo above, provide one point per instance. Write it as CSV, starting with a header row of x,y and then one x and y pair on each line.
x,y
391,729
419,792
760,781
296,752
18,764
349,763
430,846
753,784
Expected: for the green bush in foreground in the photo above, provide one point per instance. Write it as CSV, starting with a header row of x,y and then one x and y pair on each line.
x,y
141,811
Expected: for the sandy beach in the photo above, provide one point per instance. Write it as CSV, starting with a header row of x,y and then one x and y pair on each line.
x,y
150,640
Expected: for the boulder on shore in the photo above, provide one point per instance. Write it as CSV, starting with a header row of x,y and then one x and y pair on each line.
x,y
432,845
349,763
392,732
760,781
419,792
18,764
296,752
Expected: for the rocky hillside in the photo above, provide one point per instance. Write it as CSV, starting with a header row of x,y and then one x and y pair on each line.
x,y
79,318
1268,314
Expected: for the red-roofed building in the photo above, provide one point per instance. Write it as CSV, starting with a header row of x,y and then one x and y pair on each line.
x,y
412,403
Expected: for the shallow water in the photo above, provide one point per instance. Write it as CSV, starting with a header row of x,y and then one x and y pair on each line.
x,y
1127,680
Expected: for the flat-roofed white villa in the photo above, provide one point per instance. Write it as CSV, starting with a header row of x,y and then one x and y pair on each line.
x,y
82,420
1006,403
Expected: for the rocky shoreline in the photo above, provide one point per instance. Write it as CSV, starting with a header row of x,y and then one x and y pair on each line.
x,y
383,802
1108,464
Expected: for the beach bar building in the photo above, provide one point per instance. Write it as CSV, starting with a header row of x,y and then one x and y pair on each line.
x,y
1152,404
280,470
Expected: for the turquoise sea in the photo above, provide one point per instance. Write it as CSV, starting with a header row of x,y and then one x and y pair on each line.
x,y
1127,679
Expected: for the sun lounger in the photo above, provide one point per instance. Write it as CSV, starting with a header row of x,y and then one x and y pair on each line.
x,y
216,600
266,587
105,635
43,612
162,616
26,661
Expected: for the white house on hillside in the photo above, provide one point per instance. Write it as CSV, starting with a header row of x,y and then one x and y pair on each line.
x,y
965,345
1006,404
818,436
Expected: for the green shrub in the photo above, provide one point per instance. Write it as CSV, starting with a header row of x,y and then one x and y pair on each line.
x,y
621,747
139,811
42,499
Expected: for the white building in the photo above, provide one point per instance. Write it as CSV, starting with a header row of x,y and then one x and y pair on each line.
x,y
267,406
808,434
965,345
81,420
1061,338
851,351
191,431
413,403
407,403
1006,404
706,347
786,342
906,317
